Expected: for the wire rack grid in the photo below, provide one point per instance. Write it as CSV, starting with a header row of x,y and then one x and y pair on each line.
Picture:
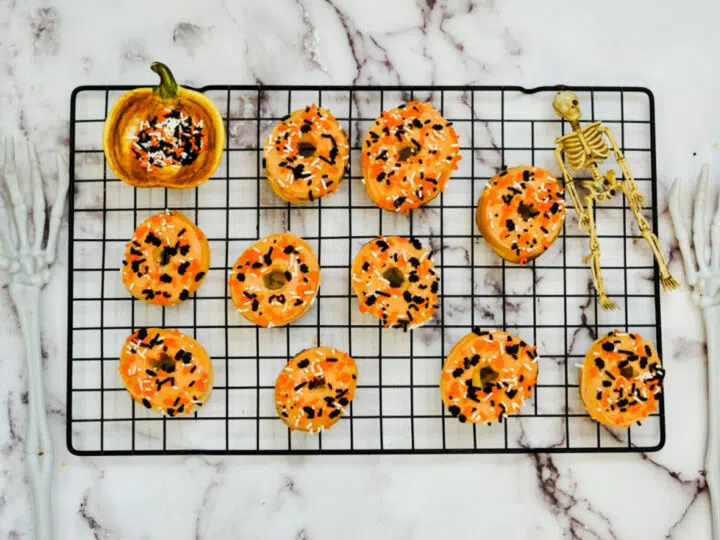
x,y
398,408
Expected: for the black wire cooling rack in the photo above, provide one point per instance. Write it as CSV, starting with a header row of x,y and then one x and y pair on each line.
x,y
398,408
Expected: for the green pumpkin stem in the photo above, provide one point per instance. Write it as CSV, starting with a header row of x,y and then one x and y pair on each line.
x,y
168,87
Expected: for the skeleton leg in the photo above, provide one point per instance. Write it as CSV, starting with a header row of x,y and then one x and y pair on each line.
x,y
594,258
668,282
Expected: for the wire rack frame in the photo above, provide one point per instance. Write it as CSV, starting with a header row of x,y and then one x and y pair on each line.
x,y
397,407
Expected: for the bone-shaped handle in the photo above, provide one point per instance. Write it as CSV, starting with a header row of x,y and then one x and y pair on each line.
x,y
712,456
38,445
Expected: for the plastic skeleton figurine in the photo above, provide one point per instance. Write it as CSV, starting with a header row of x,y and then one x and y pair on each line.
x,y
585,148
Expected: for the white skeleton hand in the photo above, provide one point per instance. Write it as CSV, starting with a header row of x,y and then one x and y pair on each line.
x,y
703,276
24,251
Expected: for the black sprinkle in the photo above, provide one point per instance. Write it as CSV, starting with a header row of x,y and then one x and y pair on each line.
x,y
152,239
267,258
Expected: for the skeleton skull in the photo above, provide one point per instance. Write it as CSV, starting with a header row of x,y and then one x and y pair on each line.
x,y
567,105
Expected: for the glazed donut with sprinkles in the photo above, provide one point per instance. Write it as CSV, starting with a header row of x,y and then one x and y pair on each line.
x,y
314,388
521,212
621,379
166,259
166,371
275,280
394,279
487,376
306,155
407,156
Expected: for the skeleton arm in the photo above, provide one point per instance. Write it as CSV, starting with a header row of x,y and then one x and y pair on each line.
x,y
570,188
627,174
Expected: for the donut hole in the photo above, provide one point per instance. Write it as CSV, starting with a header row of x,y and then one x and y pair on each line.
x,y
485,375
306,148
161,256
164,362
527,211
394,276
317,383
628,372
406,152
275,280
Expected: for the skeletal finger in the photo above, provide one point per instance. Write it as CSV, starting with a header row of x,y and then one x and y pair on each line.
x,y
57,208
700,219
18,202
7,251
715,239
681,233
38,199
7,231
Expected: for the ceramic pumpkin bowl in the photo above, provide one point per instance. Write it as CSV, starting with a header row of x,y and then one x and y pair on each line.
x,y
163,136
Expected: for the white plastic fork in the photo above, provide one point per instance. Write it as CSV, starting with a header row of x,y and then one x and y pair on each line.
x,y
702,270
27,255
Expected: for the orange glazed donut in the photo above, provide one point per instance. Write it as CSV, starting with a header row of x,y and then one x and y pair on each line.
x,y
488,375
166,259
521,212
395,281
306,155
621,379
166,371
314,387
408,155
275,280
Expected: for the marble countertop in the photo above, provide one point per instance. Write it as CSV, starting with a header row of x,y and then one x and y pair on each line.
x,y
664,45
